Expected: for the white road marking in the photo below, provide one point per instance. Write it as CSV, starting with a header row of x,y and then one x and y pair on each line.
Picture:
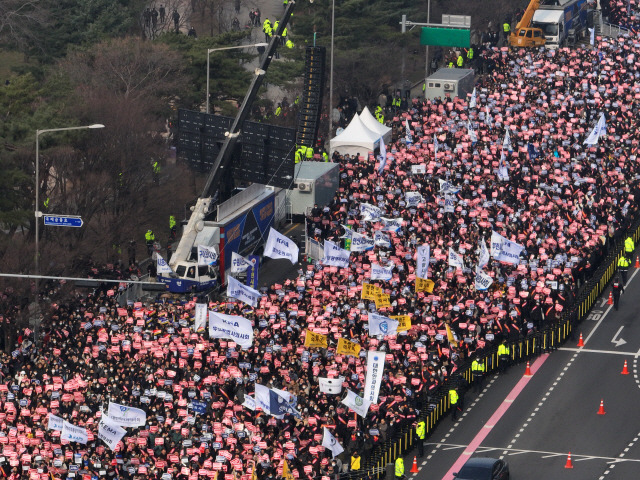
x,y
591,350
618,341
545,454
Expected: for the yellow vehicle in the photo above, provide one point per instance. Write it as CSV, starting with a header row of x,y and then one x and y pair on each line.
x,y
524,35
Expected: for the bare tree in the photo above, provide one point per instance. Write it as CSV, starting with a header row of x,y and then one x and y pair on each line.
x,y
21,19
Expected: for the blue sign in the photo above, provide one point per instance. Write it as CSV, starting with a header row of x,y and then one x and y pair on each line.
x,y
62,221
199,407
252,272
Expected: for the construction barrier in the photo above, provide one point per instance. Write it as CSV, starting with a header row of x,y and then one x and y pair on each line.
x,y
523,349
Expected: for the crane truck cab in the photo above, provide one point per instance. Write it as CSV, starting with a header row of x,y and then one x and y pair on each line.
x,y
527,37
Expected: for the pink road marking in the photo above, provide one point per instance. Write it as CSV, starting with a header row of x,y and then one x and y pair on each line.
x,y
497,415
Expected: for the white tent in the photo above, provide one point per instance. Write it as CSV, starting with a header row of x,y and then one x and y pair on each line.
x,y
356,138
374,125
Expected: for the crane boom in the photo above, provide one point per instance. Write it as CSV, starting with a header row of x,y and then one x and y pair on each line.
x,y
224,156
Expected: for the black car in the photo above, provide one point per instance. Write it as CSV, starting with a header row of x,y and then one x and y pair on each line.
x,y
483,469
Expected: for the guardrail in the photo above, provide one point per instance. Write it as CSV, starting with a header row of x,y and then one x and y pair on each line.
x,y
437,406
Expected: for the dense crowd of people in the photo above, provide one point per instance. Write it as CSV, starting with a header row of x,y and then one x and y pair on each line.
x,y
565,202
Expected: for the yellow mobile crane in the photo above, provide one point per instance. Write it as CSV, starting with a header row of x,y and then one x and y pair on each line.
x,y
524,35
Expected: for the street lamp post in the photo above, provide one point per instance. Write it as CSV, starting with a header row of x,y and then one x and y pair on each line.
x,y
38,213
333,19
225,48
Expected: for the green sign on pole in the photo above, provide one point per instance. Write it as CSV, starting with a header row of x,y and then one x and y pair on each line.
x,y
445,37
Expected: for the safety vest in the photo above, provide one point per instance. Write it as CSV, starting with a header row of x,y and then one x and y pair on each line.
x,y
149,236
470,54
355,463
266,25
396,102
46,203
278,111
460,61
172,221
450,64
506,27
298,156
628,245
623,262
284,32
453,397
275,25
503,350
285,2
399,467
156,167
325,156
309,152
421,430
476,366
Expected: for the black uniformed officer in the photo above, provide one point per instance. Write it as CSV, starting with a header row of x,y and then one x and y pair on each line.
x,y
618,288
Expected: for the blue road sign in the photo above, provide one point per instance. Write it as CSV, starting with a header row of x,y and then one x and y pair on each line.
x,y
62,221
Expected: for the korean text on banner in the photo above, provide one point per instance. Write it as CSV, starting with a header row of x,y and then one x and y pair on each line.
x,y
422,261
110,433
347,347
313,339
279,246
73,433
357,403
373,379
232,327
242,292
200,320
404,322
126,416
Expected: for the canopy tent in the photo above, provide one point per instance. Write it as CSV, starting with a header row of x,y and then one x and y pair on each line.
x,y
356,138
374,125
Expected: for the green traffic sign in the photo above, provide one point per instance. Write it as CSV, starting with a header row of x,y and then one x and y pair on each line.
x,y
445,37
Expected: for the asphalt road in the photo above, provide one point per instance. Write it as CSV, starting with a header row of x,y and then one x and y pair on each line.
x,y
534,422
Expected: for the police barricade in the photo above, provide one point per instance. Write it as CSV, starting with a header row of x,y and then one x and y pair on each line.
x,y
550,338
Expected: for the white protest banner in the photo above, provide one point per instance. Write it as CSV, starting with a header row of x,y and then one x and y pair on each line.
x,y
207,255
455,259
126,416
249,402
200,319
381,325
279,246
391,224
483,281
161,265
373,379
55,422
348,232
357,403
449,203
360,243
242,292
422,261
599,130
419,169
503,169
378,272
506,143
483,254
381,240
407,132
472,101
331,386
110,433
73,433
435,145
330,442
504,250
412,198
472,134
383,156
334,256
232,327
447,188
239,263
370,213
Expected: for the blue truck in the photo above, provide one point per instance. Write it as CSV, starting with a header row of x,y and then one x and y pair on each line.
x,y
561,21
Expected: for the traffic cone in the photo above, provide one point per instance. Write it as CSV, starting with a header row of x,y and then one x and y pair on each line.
x,y
527,372
625,369
414,467
610,301
569,464
580,341
601,409
637,262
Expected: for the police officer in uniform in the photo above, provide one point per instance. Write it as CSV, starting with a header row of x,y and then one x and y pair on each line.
x,y
453,400
421,431
477,370
623,268
618,288
399,468
629,247
503,356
